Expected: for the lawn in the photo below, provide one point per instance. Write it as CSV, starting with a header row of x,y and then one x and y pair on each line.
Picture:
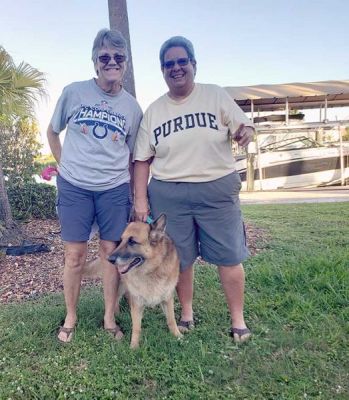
x,y
297,305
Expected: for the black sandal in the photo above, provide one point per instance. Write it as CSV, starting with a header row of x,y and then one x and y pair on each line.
x,y
240,335
185,326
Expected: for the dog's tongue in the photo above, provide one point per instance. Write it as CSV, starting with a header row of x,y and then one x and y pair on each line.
x,y
123,268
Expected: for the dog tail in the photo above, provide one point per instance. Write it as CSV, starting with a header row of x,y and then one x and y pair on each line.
x,y
93,269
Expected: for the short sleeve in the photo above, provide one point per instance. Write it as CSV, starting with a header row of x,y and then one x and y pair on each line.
x,y
232,114
61,113
143,149
134,128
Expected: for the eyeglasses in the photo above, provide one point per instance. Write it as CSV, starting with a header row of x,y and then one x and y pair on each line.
x,y
182,62
118,58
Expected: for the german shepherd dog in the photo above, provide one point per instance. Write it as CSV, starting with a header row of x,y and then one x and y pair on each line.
x,y
148,264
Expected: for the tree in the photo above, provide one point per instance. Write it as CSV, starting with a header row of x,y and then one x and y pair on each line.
x,y
20,87
19,148
118,19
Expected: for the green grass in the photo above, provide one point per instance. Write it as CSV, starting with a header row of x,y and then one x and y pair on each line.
x,y
297,304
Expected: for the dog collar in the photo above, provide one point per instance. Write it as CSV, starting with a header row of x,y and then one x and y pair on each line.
x,y
149,220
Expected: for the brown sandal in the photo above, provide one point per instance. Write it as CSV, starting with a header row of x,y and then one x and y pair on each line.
x,y
114,332
240,335
69,332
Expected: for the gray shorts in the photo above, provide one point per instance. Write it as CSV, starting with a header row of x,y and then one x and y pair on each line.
x,y
79,208
203,219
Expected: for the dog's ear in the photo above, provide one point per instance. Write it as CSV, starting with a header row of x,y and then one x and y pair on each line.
x,y
157,230
160,223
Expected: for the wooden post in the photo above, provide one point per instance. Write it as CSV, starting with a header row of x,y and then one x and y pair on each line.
x,y
340,129
250,161
250,172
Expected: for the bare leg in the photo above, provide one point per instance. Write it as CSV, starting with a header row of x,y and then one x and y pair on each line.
x,y
233,283
110,287
185,291
75,257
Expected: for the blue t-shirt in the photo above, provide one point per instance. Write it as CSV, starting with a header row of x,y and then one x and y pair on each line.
x,y
100,134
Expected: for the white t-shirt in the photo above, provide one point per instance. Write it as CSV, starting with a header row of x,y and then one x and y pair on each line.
x,y
190,139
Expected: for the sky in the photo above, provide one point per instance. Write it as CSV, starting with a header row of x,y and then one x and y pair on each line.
x,y
237,42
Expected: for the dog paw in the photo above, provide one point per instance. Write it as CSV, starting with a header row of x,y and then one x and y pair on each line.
x,y
134,345
180,337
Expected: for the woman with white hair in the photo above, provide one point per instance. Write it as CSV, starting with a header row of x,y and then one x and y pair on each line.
x,y
94,170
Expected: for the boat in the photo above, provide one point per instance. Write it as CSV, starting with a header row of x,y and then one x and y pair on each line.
x,y
296,162
279,118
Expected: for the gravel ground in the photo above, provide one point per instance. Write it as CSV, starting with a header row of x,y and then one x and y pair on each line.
x,y
32,275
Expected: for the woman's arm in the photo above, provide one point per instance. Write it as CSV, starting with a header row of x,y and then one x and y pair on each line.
x,y
141,177
55,143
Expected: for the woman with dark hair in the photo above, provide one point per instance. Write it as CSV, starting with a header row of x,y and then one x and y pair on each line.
x,y
185,138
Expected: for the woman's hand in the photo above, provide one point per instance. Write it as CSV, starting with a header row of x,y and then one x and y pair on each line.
x,y
243,135
48,172
141,209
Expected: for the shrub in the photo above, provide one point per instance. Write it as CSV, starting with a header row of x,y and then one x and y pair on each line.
x,y
32,200
44,161
19,147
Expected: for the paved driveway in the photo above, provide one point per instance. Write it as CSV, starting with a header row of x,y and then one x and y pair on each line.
x,y
320,195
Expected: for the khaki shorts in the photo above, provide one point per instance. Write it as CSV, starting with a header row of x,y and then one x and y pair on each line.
x,y
203,219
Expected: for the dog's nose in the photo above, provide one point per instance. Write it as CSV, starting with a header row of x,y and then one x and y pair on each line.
x,y
112,258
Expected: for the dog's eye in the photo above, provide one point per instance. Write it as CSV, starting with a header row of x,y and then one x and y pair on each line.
x,y
131,241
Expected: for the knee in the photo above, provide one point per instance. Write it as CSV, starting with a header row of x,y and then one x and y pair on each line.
x,y
232,273
103,255
106,249
75,261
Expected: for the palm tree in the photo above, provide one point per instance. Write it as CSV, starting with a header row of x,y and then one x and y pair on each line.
x,y
20,87
118,19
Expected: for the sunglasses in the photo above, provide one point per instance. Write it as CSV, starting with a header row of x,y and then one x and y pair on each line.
x,y
118,58
182,62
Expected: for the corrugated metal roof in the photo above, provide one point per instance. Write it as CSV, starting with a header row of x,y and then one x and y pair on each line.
x,y
299,95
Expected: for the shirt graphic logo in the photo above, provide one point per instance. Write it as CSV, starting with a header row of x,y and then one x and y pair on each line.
x,y
185,122
102,120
